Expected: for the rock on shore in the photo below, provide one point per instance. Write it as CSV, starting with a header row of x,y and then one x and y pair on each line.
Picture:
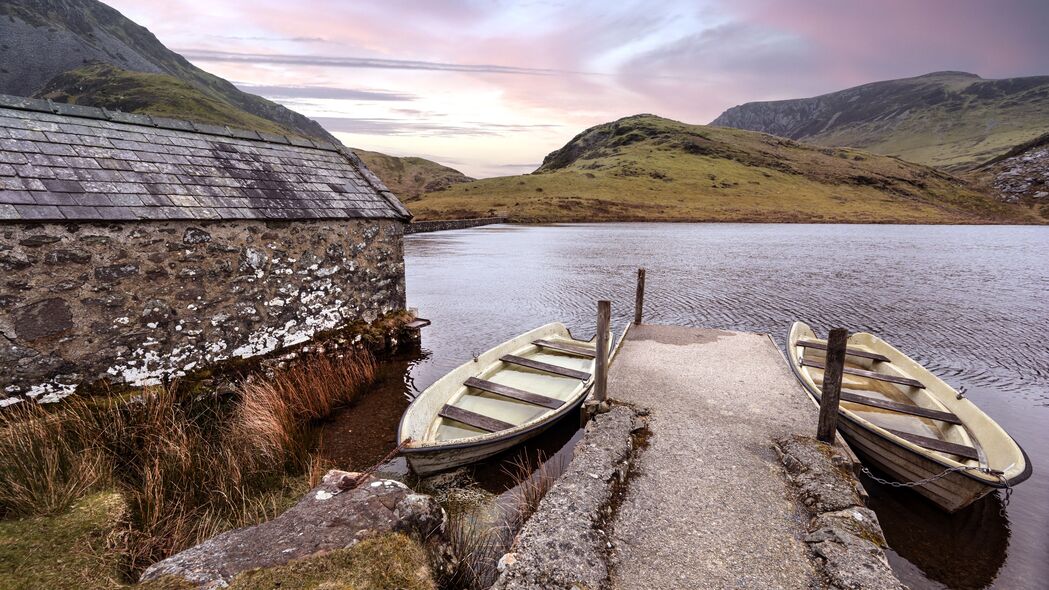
x,y
327,518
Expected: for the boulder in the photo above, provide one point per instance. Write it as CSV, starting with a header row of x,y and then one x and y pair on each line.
x,y
329,517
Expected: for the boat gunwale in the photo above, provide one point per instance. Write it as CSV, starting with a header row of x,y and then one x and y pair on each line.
x,y
973,473
485,439
494,437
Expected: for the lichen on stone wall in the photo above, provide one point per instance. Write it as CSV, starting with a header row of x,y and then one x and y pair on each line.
x,y
137,303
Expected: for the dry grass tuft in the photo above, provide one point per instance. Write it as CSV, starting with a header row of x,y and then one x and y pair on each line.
x,y
48,460
187,465
273,412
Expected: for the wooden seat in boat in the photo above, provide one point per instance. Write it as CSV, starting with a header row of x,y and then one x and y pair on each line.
x,y
936,444
868,374
881,358
545,367
901,408
566,348
514,393
479,421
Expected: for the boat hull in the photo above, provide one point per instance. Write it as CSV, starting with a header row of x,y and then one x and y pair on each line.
x,y
951,492
425,455
432,460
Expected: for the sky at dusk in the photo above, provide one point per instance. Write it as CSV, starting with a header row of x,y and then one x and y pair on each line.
x,y
491,87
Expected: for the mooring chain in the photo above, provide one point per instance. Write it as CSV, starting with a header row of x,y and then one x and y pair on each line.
x,y
348,483
911,484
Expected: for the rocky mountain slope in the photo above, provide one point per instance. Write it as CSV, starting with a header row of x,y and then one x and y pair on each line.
x,y
42,39
410,177
654,169
950,119
1019,176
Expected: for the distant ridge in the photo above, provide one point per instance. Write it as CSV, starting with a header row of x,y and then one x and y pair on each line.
x,y
950,119
647,168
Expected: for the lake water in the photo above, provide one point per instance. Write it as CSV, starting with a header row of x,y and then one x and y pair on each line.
x,y
969,302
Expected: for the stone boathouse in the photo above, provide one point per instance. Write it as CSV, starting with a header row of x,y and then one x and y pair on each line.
x,y
134,247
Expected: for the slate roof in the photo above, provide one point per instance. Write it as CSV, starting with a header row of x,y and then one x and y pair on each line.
x,y
68,162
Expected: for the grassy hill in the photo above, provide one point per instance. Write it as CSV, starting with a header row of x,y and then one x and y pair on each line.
x,y
949,119
410,177
106,86
654,169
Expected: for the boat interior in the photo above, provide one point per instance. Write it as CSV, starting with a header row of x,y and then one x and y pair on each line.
x,y
536,379
880,392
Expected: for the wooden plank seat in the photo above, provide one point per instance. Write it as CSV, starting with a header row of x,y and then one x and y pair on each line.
x,y
545,367
881,358
868,374
514,393
474,419
566,348
913,410
936,444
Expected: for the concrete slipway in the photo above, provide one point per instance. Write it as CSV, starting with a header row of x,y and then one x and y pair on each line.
x,y
729,491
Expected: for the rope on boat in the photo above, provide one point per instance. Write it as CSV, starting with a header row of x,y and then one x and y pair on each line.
x,y
911,484
347,483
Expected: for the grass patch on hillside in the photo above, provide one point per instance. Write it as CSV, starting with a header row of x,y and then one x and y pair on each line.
x,y
646,168
410,177
110,87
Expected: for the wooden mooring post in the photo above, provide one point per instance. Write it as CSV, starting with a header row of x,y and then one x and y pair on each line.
x,y
830,397
604,319
639,300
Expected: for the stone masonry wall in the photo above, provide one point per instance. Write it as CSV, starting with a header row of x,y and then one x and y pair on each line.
x,y
133,302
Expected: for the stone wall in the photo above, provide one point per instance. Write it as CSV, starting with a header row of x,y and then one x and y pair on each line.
x,y
134,302
420,227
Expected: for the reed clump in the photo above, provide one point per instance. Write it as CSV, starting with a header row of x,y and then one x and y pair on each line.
x,y
187,465
274,412
476,543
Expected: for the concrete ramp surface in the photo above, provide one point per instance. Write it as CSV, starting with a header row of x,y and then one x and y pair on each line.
x,y
710,506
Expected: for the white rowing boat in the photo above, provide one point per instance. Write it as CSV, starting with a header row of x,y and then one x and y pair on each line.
x,y
909,423
498,400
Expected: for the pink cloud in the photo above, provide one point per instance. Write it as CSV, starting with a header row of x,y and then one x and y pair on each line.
x,y
684,59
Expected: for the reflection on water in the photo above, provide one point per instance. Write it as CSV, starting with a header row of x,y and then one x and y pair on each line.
x,y
361,434
962,551
968,302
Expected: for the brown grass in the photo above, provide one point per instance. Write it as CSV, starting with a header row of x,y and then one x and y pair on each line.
x,y
274,412
187,465
49,459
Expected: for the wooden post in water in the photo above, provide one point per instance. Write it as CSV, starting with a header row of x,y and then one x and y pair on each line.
x,y
639,301
604,318
830,396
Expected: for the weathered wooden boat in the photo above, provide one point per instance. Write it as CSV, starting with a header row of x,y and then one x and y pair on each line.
x,y
498,400
910,424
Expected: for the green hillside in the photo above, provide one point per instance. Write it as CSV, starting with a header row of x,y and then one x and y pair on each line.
x,y
654,169
949,119
410,177
106,86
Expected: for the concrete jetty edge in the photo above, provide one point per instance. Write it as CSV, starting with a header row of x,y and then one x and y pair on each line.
x,y
566,542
